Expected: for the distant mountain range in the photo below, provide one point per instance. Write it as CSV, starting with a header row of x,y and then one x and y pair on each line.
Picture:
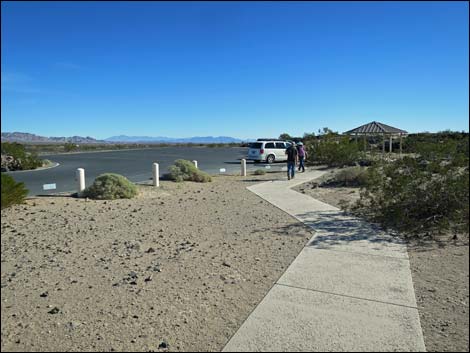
x,y
196,139
27,137
32,138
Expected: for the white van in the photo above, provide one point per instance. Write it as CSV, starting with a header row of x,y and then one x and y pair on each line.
x,y
269,151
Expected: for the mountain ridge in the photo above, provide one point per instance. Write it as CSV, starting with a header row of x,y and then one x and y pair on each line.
x,y
26,137
194,139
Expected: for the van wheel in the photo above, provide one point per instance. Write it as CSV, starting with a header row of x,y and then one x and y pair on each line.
x,y
270,159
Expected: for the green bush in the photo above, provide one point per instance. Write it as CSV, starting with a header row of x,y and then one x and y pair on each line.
x,y
184,170
111,186
334,151
69,147
416,195
17,151
259,172
352,176
441,142
12,192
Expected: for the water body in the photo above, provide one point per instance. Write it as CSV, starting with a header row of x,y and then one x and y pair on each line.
x,y
136,165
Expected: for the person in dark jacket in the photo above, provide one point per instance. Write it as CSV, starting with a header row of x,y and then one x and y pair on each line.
x,y
292,160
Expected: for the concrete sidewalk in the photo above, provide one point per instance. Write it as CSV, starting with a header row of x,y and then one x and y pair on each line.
x,y
349,289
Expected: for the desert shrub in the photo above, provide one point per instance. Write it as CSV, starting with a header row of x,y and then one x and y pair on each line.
x,y
69,147
110,186
351,176
334,151
12,192
415,142
259,172
416,195
17,151
46,163
184,170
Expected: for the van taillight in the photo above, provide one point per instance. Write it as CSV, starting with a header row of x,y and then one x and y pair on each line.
x,y
261,151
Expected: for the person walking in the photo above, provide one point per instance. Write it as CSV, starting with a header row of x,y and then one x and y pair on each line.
x,y
292,160
302,156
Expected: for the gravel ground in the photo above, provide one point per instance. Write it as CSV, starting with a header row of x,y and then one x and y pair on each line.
x,y
440,271
177,269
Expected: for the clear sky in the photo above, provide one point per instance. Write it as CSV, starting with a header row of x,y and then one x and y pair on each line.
x,y
241,69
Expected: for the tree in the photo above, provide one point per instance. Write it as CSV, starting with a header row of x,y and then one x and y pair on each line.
x,y
285,136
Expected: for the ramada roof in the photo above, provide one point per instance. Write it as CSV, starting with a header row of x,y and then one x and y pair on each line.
x,y
376,128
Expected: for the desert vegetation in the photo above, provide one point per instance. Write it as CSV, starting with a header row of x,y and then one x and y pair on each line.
x,y
259,172
427,193
184,170
12,192
350,177
110,186
15,157
423,192
332,149
43,148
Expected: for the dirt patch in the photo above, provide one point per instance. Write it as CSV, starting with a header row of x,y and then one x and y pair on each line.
x,y
332,195
440,272
440,276
179,268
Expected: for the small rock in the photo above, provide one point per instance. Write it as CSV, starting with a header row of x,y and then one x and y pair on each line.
x,y
72,325
54,311
163,345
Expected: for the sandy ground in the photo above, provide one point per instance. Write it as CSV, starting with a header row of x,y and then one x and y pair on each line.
x,y
440,271
179,268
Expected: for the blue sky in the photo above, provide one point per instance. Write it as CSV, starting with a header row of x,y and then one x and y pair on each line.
x,y
241,69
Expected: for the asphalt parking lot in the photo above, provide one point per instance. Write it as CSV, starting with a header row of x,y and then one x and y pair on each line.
x,y
136,165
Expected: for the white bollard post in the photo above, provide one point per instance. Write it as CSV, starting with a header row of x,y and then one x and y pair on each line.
x,y
243,165
156,175
195,163
80,177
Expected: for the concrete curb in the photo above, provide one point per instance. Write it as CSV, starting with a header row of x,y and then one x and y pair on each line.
x,y
34,170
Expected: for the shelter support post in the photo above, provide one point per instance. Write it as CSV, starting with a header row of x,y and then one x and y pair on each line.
x,y
401,142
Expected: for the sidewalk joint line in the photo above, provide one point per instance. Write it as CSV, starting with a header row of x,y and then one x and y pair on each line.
x,y
310,248
347,296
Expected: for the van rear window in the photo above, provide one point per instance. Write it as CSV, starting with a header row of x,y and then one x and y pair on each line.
x,y
256,145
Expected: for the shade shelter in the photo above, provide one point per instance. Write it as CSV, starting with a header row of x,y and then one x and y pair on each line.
x,y
376,128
